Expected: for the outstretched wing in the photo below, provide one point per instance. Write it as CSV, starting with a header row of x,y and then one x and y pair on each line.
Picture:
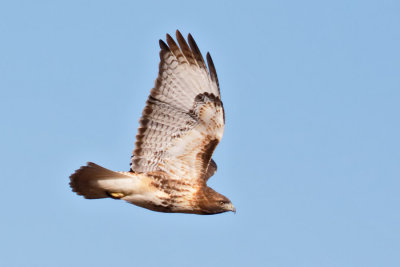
x,y
183,120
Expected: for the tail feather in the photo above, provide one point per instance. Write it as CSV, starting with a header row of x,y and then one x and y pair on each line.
x,y
93,181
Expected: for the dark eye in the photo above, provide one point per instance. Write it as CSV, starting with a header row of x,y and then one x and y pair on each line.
x,y
222,203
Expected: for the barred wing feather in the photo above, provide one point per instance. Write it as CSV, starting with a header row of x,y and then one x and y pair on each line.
x,y
183,120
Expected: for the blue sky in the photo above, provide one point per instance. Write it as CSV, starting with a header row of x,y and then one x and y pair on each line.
x,y
310,155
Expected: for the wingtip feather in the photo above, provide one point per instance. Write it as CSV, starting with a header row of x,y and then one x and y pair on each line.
x,y
212,69
163,45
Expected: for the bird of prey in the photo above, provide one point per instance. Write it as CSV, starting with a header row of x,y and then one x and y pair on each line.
x,y
181,125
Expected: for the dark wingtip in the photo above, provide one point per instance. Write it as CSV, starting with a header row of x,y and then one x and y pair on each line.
x,y
208,56
187,52
170,41
178,33
211,67
196,52
181,40
168,36
163,45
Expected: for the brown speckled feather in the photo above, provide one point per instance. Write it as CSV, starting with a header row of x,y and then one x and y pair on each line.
x,y
183,120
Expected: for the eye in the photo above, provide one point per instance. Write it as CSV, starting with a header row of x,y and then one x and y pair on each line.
x,y
222,203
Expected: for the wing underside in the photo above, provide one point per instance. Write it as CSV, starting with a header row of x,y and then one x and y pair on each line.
x,y
183,120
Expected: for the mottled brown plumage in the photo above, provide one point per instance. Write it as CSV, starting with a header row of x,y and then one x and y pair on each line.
x,y
181,125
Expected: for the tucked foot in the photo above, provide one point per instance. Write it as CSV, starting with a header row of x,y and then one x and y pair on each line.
x,y
115,195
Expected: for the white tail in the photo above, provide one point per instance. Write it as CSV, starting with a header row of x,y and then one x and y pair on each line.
x,y
93,181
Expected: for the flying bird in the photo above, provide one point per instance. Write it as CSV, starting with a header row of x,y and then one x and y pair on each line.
x,y
181,125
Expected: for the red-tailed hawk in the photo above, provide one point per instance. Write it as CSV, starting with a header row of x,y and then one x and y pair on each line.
x,y
180,127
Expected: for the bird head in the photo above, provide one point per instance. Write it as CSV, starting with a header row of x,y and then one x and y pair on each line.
x,y
213,202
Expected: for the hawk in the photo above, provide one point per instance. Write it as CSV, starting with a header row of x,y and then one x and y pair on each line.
x,y
181,125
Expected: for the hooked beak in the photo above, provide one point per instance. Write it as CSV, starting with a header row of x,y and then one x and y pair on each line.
x,y
232,208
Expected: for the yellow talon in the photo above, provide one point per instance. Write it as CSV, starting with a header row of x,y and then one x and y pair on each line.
x,y
117,195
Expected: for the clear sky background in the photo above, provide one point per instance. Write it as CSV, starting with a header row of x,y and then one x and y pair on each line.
x,y
310,155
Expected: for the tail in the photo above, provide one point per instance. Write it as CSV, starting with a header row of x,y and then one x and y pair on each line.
x,y
93,181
